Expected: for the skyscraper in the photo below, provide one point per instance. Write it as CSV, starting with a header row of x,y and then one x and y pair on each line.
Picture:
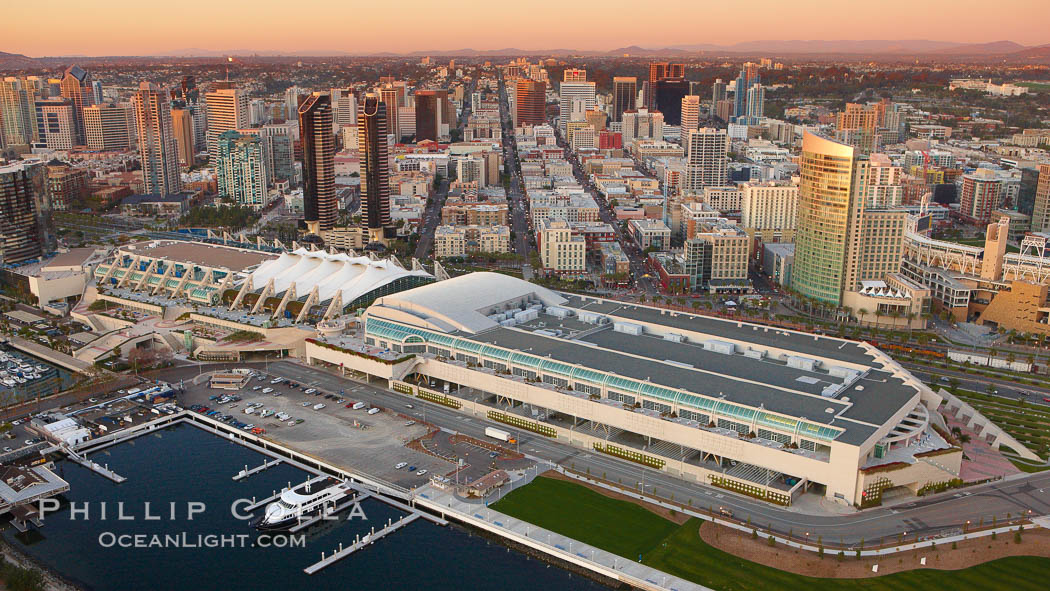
x,y
344,110
110,127
375,168
718,92
841,239
159,155
24,213
706,159
530,102
55,123
227,110
17,121
668,95
756,105
1041,209
182,125
690,116
392,100
625,95
745,80
241,169
76,86
429,107
320,207
570,92
658,71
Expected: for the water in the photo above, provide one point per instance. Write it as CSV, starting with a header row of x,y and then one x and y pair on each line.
x,y
183,464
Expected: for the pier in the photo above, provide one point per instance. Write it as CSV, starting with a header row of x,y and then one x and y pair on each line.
x,y
95,467
398,504
360,542
246,472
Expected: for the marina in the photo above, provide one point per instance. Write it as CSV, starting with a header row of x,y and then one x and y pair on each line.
x,y
70,546
23,376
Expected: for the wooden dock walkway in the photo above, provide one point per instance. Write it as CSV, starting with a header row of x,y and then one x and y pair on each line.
x,y
360,542
246,472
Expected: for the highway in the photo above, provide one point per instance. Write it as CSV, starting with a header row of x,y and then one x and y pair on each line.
x,y
923,517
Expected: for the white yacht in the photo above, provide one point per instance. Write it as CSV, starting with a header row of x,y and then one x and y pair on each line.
x,y
302,502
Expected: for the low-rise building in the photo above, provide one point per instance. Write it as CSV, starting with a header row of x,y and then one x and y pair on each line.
x,y
650,233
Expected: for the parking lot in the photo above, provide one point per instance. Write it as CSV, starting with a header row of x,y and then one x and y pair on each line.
x,y
371,443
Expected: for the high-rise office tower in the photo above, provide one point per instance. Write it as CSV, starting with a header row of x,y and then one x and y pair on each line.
x,y
392,99
690,116
76,86
530,102
718,91
668,95
429,109
159,155
227,110
182,125
1041,208
24,213
344,110
282,157
641,125
320,207
241,171
706,159
745,80
56,126
841,238
375,168
292,96
574,75
858,125
625,94
570,92
17,121
658,71
110,127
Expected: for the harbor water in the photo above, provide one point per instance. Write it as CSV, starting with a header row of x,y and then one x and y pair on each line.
x,y
182,465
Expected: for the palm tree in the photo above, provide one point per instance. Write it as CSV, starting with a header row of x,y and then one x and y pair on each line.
x,y
861,313
911,317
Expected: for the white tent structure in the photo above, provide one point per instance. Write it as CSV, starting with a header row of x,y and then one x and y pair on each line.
x,y
332,275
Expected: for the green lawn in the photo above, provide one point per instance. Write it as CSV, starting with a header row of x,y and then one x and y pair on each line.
x,y
629,530
573,510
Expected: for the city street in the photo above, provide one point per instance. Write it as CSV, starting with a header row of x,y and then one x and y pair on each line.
x,y
515,195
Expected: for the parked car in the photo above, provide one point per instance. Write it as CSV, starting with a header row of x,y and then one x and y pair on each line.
x,y
400,465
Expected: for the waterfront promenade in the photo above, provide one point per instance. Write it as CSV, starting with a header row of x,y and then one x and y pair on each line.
x,y
477,514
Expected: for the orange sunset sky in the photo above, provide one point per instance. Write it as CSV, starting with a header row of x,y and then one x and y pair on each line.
x,y
142,27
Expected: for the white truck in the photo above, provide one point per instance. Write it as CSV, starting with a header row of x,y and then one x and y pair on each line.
x,y
499,434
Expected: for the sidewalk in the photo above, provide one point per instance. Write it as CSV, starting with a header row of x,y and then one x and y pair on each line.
x,y
598,560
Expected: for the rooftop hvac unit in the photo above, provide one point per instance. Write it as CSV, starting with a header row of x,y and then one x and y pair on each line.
x,y
628,328
803,363
831,390
847,373
526,315
591,317
559,312
754,353
674,337
723,347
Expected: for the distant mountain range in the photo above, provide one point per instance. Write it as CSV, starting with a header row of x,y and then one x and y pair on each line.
x,y
903,47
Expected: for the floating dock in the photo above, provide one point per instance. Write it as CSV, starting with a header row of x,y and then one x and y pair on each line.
x,y
246,472
360,542
95,467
